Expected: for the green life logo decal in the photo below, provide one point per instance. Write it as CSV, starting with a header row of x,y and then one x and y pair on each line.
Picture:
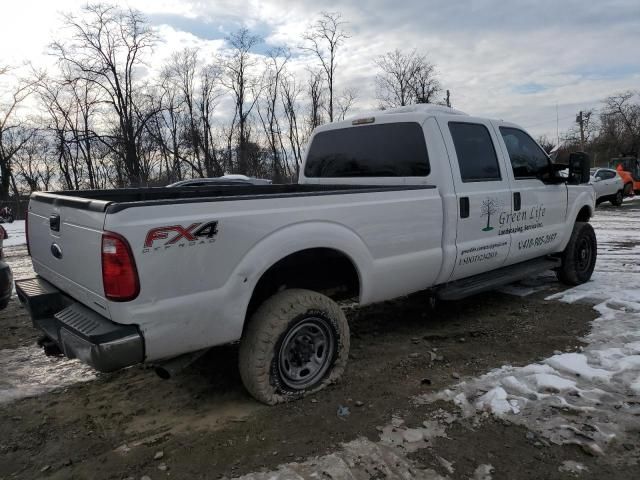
x,y
489,207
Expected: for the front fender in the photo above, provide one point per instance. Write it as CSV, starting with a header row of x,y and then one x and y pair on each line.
x,y
578,200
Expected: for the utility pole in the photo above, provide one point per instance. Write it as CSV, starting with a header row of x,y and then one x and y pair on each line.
x,y
580,121
448,100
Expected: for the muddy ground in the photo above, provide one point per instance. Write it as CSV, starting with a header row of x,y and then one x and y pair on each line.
x,y
206,425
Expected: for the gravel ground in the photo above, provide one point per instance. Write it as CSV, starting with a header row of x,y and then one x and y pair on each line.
x,y
61,420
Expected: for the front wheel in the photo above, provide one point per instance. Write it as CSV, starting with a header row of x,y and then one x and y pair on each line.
x,y
617,200
579,257
296,343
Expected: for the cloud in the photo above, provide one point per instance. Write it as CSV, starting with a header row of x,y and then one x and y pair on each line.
x,y
513,60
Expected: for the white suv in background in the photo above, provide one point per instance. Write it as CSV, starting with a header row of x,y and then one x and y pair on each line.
x,y
608,186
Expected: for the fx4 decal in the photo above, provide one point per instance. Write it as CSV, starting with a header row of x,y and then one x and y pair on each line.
x,y
162,238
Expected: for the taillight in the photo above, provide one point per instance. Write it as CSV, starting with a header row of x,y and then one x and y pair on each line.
x,y
26,231
119,274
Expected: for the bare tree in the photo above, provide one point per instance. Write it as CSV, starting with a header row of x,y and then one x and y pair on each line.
x,y
345,102
316,100
34,164
239,77
290,104
621,119
394,83
323,39
14,133
106,48
269,114
207,103
425,84
405,78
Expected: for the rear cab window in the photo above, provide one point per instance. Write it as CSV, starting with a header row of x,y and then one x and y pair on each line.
x,y
384,150
476,152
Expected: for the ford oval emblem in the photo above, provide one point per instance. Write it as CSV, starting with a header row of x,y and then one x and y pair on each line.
x,y
56,250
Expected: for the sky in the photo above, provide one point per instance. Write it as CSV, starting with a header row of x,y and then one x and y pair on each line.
x,y
530,62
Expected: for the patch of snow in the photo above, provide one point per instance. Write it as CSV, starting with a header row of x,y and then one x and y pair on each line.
x,y
483,472
16,233
28,372
590,397
360,458
569,466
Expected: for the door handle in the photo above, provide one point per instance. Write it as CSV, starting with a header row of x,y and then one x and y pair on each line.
x,y
517,201
464,207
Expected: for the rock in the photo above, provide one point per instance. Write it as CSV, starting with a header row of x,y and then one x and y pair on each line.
x,y
455,375
359,403
414,355
45,468
145,477
462,339
67,462
530,436
158,455
425,381
591,449
343,411
415,339
163,467
314,400
412,435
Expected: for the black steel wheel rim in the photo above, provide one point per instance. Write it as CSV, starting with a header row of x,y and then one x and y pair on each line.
x,y
306,353
584,252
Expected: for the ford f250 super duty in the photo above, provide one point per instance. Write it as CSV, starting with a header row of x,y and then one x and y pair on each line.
x,y
399,201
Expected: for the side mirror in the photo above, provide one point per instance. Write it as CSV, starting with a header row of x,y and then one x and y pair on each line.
x,y
579,168
597,179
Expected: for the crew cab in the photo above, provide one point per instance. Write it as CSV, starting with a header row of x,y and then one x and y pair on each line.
x,y
394,202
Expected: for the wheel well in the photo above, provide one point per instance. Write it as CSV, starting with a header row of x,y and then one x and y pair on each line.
x,y
323,270
584,214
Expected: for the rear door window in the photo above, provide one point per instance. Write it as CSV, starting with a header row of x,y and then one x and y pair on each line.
x,y
475,151
385,150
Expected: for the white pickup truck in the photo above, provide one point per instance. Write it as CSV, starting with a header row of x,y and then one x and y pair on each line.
x,y
409,199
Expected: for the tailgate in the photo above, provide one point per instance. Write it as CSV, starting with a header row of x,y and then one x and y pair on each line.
x,y
65,235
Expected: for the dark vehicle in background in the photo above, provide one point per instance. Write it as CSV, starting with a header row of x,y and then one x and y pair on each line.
x,y
6,277
232,180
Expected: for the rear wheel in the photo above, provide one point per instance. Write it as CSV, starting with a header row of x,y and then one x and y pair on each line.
x,y
579,257
296,343
617,200
628,189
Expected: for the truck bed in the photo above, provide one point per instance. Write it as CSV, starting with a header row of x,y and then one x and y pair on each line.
x,y
112,201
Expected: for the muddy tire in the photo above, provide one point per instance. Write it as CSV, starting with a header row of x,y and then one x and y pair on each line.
x,y
296,343
579,258
617,200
